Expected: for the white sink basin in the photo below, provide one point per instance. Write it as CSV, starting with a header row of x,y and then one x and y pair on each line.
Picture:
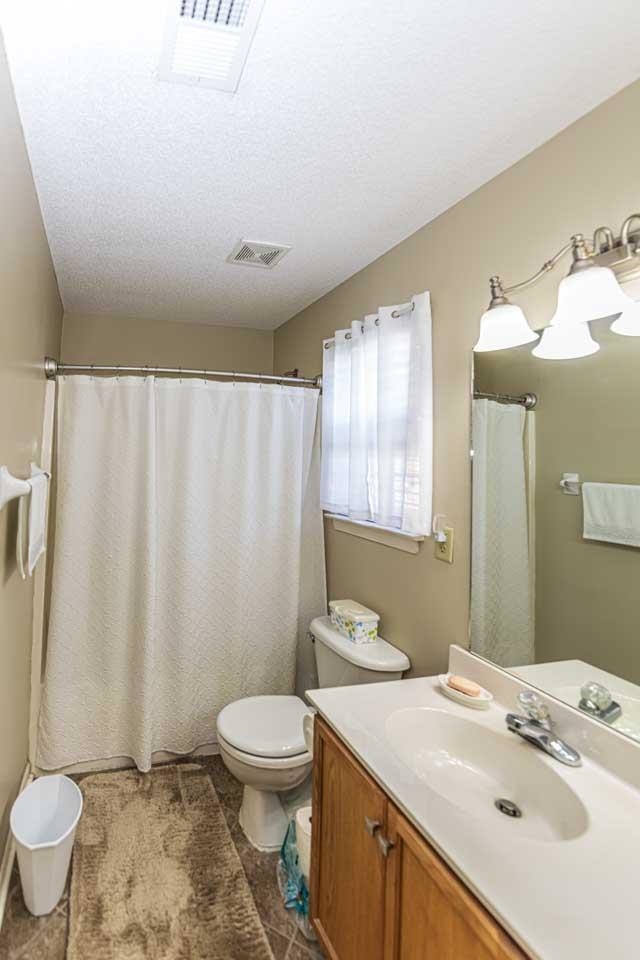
x,y
472,766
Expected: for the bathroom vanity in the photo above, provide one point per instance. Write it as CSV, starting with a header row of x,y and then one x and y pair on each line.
x,y
414,854
378,889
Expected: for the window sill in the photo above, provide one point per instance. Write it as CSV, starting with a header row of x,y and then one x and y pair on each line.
x,y
388,536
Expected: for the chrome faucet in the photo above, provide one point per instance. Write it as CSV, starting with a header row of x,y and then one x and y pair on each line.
x,y
537,728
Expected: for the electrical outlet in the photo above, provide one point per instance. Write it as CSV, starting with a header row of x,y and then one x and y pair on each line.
x,y
444,548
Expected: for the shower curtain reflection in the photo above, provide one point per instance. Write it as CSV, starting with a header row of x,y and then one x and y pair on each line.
x,y
502,627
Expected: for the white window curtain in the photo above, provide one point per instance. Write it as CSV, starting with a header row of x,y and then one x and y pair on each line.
x,y
377,410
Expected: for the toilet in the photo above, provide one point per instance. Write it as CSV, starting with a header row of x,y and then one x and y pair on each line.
x,y
261,738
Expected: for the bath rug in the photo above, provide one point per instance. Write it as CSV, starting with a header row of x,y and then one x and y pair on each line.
x,y
156,875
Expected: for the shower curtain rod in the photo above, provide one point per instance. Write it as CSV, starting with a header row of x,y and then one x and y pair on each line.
x,y
527,400
54,368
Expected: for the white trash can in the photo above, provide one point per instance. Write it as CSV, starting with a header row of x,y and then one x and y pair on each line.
x,y
44,818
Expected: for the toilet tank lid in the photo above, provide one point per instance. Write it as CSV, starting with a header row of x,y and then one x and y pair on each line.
x,y
378,655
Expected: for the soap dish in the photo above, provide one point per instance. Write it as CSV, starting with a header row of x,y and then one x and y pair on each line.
x,y
478,703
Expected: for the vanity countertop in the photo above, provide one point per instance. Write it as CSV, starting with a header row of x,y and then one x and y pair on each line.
x,y
569,899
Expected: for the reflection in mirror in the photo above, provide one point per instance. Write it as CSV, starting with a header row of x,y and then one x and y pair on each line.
x,y
556,565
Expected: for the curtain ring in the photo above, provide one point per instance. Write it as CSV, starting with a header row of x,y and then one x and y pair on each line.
x,y
398,313
91,366
118,373
180,371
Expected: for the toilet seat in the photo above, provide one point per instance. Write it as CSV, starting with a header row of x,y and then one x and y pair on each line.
x,y
265,763
267,727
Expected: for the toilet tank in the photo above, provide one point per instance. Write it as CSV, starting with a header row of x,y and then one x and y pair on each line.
x,y
341,662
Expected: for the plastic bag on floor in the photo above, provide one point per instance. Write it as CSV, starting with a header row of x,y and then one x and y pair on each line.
x,y
292,883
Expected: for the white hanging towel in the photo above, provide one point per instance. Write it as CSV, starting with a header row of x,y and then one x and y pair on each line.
x,y
37,515
20,537
612,512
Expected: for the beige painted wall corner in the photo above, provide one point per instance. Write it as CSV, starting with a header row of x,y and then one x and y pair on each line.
x,y
30,325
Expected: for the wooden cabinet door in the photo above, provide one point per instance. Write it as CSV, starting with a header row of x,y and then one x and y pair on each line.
x,y
347,864
430,914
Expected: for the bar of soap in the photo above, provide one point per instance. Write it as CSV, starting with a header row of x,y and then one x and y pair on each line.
x,y
468,687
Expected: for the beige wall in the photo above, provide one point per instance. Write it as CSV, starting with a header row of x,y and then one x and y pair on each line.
x,y
30,319
583,177
133,341
587,604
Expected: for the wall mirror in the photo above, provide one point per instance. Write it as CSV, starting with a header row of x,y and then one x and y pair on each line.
x,y
549,603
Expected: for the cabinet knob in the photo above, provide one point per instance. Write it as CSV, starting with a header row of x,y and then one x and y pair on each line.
x,y
371,826
384,844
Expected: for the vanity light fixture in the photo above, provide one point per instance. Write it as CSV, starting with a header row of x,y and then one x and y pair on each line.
x,y
591,291
566,341
503,324
628,323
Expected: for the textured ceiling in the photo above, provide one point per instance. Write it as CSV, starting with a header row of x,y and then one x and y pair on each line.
x,y
354,124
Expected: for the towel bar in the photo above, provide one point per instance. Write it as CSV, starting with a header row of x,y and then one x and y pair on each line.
x,y
571,484
12,487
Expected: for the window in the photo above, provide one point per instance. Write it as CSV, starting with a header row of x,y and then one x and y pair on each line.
x,y
378,419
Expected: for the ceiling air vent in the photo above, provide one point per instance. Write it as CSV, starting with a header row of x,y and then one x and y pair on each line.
x,y
206,42
255,253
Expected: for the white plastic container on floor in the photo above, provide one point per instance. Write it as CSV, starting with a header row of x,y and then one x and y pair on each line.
x,y
303,840
44,818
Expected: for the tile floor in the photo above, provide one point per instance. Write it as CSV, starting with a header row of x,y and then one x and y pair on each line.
x,y
24,937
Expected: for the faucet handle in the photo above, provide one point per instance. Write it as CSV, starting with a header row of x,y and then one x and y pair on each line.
x,y
596,694
534,707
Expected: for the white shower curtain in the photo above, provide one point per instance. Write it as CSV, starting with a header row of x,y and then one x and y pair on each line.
x,y
188,561
501,602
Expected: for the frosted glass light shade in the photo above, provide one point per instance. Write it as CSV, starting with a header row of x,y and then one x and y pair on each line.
x,y
589,294
568,341
502,327
628,323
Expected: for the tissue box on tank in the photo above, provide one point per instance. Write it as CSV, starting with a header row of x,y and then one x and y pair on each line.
x,y
354,621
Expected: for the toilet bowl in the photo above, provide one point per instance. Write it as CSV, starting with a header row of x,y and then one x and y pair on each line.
x,y
261,738
262,744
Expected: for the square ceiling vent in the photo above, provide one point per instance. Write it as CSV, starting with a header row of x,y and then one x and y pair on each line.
x,y
206,42
256,253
